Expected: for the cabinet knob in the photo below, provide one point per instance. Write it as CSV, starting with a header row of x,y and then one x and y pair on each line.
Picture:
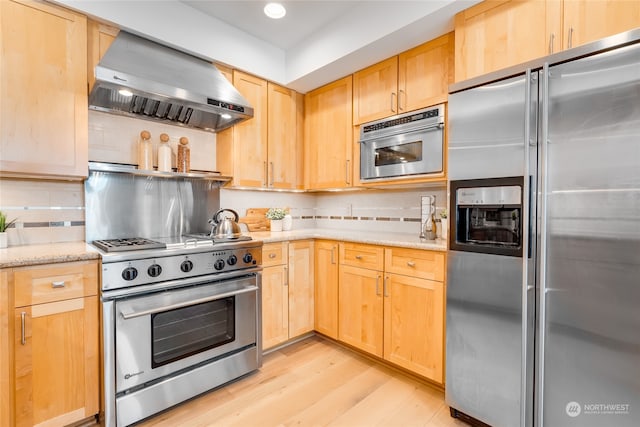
x,y
358,256
411,263
272,255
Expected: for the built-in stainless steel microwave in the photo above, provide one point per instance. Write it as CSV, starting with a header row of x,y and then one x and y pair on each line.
x,y
403,145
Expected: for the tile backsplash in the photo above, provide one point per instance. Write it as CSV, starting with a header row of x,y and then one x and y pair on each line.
x,y
46,211
54,211
369,210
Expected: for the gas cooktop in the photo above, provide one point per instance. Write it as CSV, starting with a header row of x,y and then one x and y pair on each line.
x,y
128,244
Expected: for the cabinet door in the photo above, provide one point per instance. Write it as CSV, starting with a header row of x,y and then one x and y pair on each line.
x,y
57,362
414,325
43,85
326,288
282,134
424,74
99,38
328,136
360,306
275,306
375,91
497,34
250,136
589,20
301,289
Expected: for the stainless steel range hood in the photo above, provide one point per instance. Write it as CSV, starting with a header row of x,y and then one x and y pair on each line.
x,y
143,79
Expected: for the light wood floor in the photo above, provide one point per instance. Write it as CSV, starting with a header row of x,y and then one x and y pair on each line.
x,y
315,383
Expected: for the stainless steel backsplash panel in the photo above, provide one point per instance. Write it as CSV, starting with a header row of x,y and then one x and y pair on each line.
x,y
121,205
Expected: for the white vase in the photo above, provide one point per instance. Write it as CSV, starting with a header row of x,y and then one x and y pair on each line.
x,y
276,225
445,227
3,240
287,223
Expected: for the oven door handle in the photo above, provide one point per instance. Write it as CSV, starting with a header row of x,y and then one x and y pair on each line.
x,y
131,315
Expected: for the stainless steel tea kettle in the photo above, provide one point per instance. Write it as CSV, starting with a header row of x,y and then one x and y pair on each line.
x,y
223,227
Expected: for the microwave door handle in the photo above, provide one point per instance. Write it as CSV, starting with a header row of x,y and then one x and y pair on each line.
x,y
131,315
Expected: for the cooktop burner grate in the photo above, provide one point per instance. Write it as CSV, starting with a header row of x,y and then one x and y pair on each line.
x,y
128,244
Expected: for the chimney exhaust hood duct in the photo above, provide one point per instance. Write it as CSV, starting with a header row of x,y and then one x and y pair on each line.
x,y
146,80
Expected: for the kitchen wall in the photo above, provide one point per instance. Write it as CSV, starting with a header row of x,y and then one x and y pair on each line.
x,y
54,211
114,139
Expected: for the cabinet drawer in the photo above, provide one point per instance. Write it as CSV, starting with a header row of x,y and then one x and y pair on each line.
x,y
415,262
364,256
274,254
55,282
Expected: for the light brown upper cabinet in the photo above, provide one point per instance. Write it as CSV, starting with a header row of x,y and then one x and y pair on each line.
x,y
585,21
99,38
264,151
497,34
43,80
329,136
414,79
284,152
242,149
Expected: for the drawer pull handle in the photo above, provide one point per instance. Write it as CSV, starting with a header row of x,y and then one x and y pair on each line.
x,y
378,285
23,338
411,263
272,256
358,256
58,284
385,287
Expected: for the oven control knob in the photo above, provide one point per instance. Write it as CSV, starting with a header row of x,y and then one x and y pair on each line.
x,y
219,264
232,260
186,266
154,270
129,273
247,258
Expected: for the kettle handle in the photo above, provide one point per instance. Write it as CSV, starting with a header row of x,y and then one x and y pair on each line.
x,y
216,220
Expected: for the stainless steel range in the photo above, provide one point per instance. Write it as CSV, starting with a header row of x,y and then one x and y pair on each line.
x,y
181,310
177,321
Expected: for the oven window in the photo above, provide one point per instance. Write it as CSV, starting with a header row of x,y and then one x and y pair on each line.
x,y
398,154
182,332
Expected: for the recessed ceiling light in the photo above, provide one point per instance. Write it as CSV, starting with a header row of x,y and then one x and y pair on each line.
x,y
125,92
275,10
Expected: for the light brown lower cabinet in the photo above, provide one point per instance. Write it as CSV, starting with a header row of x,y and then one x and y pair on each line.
x,y
326,288
414,324
287,291
54,372
398,317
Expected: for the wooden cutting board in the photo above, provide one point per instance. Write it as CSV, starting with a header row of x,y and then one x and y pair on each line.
x,y
256,220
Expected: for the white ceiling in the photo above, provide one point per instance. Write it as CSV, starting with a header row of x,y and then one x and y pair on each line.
x,y
318,41
303,18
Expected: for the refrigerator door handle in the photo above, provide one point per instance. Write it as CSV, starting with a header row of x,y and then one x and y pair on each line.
x,y
526,207
544,189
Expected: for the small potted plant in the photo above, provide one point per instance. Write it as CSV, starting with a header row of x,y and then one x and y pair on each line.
x,y
3,229
276,215
444,222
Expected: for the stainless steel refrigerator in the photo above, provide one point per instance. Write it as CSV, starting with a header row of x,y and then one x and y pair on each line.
x,y
543,281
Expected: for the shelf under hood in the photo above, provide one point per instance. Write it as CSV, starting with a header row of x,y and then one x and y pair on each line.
x,y
143,79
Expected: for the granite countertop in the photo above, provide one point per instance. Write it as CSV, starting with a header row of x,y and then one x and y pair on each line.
x,y
18,256
405,240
